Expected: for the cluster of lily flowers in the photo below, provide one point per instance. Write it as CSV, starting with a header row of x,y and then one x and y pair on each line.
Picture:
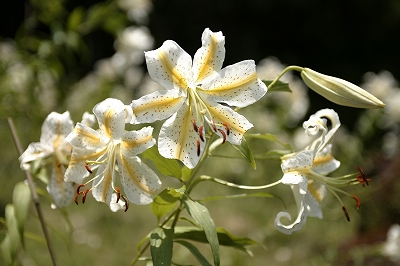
x,y
196,103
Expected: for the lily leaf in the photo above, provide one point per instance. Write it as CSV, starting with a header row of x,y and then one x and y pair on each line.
x,y
164,202
278,86
201,215
224,238
161,246
168,167
244,149
196,253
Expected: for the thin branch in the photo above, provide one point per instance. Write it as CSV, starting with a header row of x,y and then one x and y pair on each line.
x,y
35,197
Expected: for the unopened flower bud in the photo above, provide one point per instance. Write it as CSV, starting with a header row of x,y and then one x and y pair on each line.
x,y
340,91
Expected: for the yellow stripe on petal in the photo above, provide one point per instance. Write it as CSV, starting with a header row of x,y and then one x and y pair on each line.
x,y
134,143
174,74
133,176
106,184
234,83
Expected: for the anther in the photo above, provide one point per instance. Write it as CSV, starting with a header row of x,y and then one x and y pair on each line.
x,y
118,193
84,195
223,135
362,178
357,200
198,147
195,126
126,202
346,213
201,133
226,128
76,198
88,168
78,188
214,127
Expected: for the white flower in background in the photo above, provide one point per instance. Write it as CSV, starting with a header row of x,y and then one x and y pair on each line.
x,y
111,149
194,91
391,247
52,143
306,171
138,10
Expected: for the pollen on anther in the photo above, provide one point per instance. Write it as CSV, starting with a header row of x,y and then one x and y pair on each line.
x,y
201,133
198,147
118,193
84,195
346,213
88,168
226,128
357,200
195,125
223,135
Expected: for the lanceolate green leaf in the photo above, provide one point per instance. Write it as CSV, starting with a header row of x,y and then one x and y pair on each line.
x,y
163,203
244,149
278,86
224,238
21,201
13,234
201,215
196,253
167,167
161,246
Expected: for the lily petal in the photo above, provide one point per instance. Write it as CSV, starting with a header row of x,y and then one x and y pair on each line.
x,y
76,170
34,151
158,105
209,58
111,114
170,66
238,85
301,217
178,140
139,181
85,137
135,142
316,193
102,189
61,192
238,124
324,162
55,125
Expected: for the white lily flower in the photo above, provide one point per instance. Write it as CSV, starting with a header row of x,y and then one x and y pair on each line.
x,y
52,143
306,172
193,95
112,149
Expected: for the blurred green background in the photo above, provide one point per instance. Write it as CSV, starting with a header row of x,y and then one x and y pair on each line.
x,y
69,55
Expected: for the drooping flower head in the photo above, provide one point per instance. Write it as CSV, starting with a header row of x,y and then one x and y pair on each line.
x,y
111,149
52,143
196,93
306,171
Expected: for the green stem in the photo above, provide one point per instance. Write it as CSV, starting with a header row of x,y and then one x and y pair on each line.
x,y
287,69
140,253
35,197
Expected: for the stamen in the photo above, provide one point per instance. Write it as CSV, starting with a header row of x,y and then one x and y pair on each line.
x,y
226,128
118,193
126,202
195,126
198,147
357,200
78,188
214,127
201,133
346,213
223,135
362,178
88,168
76,198
84,195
